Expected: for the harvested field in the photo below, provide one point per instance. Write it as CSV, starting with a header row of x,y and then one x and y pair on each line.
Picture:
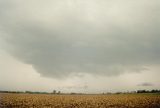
x,y
79,101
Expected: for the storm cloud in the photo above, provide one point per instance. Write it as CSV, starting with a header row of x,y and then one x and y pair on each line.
x,y
60,38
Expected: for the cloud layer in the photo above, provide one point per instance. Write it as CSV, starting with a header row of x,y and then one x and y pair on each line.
x,y
145,84
73,37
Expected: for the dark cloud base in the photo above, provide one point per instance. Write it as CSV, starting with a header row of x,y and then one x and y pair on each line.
x,y
60,39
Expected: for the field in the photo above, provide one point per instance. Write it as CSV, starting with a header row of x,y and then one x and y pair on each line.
x,y
79,101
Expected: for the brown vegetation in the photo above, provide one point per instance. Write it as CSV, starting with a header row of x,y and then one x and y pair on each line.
x,y
8,100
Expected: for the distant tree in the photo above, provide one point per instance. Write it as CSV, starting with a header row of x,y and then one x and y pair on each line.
x,y
59,92
141,91
155,91
72,93
54,91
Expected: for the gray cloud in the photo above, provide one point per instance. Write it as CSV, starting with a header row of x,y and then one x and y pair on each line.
x,y
72,37
76,87
146,84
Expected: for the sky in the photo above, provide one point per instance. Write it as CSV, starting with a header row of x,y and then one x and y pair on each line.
x,y
88,46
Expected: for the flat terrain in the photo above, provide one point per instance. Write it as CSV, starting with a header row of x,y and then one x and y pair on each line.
x,y
79,101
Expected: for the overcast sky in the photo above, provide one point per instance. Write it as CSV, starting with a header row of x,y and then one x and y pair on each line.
x,y
79,45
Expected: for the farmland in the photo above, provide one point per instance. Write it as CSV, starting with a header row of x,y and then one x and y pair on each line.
x,y
9,100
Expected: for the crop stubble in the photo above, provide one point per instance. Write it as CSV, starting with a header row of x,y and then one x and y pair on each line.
x,y
79,101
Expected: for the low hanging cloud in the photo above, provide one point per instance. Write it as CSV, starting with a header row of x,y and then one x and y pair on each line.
x,y
146,84
60,38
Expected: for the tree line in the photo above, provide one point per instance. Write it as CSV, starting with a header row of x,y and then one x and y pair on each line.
x,y
148,91
59,92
